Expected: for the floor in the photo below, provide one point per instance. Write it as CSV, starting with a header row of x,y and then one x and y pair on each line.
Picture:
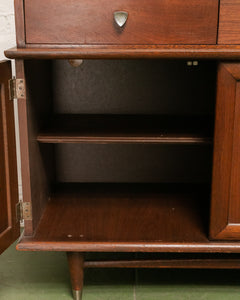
x,y
33,275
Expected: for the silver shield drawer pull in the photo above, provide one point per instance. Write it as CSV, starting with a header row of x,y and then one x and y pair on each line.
x,y
120,17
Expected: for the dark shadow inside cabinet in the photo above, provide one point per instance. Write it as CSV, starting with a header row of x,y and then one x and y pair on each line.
x,y
123,149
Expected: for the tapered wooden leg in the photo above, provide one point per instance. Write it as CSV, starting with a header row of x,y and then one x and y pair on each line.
x,y
75,263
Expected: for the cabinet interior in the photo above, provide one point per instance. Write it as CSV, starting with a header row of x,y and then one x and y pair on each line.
x,y
122,149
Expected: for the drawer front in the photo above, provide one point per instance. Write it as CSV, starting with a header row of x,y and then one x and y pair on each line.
x,y
229,22
148,22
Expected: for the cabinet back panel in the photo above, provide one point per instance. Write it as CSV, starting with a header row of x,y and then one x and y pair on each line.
x,y
124,87
133,163
134,87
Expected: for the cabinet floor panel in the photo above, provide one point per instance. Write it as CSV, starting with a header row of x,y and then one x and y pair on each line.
x,y
106,215
127,129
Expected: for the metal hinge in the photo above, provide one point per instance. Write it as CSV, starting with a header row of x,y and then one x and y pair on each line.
x,y
16,88
24,211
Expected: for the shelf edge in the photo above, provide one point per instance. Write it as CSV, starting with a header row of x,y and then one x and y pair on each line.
x,y
28,244
230,52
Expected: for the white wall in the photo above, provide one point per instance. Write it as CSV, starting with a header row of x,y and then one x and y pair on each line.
x,y
7,26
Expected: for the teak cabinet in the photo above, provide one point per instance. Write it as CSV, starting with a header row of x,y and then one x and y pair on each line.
x,y
136,150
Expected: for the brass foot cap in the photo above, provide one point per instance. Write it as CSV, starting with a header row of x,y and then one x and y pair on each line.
x,y
77,295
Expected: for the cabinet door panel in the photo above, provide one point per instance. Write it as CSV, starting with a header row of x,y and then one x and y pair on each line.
x,y
9,226
225,208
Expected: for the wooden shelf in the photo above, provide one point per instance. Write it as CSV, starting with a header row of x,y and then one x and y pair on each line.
x,y
106,215
127,129
127,218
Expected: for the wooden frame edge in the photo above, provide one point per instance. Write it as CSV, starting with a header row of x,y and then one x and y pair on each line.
x,y
227,231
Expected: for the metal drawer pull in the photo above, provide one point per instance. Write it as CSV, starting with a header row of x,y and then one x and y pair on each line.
x,y
120,17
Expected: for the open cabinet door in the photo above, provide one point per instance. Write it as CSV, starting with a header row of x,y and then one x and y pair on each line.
x,y
9,225
225,208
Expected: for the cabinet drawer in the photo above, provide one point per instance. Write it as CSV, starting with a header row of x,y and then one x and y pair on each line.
x,y
149,22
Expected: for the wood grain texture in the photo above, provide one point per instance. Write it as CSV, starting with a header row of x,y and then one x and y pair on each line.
x,y
20,23
28,244
149,22
167,264
9,225
229,22
76,263
94,217
230,52
127,129
158,218
24,146
34,177
225,204
150,212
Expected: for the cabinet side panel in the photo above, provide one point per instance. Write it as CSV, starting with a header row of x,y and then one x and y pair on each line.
x,y
34,177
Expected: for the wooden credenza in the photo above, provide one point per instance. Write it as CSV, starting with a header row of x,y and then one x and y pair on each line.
x,y
129,117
